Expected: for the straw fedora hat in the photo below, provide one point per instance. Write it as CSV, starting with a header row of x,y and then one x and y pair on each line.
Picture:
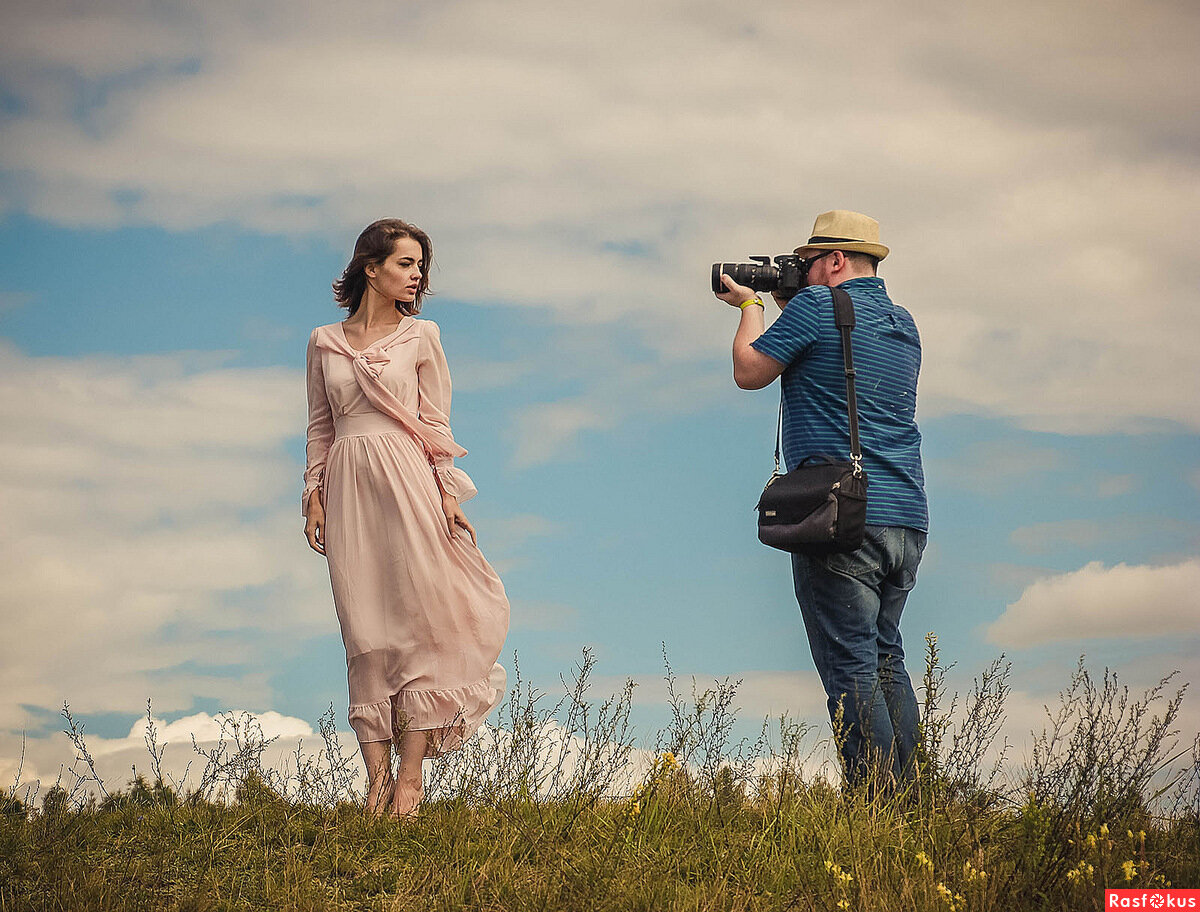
x,y
841,229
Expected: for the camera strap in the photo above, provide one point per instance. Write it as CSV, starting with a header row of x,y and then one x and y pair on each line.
x,y
843,315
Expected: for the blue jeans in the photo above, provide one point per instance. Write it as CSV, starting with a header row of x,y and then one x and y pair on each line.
x,y
851,605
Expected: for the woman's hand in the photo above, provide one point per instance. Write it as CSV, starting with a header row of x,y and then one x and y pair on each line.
x,y
314,525
455,518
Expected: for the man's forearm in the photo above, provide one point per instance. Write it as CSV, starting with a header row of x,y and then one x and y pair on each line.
x,y
749,369
749,329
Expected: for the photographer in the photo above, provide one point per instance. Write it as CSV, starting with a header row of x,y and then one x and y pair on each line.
x,y
851,602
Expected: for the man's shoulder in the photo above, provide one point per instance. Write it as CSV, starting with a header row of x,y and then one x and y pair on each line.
x,y
813,296
871,293
807,306
867,288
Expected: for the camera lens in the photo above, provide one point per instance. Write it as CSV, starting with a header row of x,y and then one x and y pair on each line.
x,y
757,276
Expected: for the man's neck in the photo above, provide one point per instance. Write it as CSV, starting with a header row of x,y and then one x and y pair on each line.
x,y
838,280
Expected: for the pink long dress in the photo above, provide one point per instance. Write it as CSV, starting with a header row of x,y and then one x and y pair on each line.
x,y
423,616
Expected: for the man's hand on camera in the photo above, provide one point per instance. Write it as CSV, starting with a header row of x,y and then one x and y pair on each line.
x,y
736,295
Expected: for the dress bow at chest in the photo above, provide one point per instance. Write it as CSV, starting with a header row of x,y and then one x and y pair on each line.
x,y
373,360
368,370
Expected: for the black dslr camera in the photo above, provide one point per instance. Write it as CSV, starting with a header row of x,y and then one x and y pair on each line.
x,y
786,277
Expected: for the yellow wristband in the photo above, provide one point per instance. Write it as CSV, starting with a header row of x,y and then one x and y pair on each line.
x,y
757,301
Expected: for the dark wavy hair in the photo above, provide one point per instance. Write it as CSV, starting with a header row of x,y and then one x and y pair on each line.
x,y
375,245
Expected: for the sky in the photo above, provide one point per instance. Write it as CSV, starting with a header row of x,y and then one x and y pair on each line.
x,y
180,183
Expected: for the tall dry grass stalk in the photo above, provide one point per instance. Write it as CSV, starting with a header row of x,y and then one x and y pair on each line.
x,y
557,808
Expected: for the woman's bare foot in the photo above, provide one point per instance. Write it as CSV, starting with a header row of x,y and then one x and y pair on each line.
x,y
406,800
379,795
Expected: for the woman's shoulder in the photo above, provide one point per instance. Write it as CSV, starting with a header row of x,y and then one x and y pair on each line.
x,y
428,330
323,330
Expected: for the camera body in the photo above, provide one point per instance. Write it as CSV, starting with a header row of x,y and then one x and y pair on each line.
x,y
785,278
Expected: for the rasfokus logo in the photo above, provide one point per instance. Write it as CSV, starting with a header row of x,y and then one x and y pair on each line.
x,y
1152,899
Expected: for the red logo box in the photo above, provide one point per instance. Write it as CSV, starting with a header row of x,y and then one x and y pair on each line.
x,y
1152,899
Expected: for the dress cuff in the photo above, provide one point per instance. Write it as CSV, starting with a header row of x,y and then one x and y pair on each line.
x,y
310,484
456,482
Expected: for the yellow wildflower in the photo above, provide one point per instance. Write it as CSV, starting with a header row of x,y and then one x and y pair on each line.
x,y
836,870
924,861
1081,872
1104,829
1130,869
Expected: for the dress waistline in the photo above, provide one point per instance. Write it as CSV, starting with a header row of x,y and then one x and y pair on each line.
x,y
366,424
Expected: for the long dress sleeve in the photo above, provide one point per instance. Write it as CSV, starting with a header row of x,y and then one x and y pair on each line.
x,y
320,424
433,409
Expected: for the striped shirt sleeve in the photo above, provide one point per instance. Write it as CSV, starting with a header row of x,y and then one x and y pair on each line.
x,y
794,333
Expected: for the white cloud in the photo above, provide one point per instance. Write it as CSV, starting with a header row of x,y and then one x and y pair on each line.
x,y
49,761
1036,698
1048,536
544,432
150,540
772,693
506,539
95,43
1116,485
203,727
1015,575
1136,602
1074,532
761,694
1036,184
46,760
10,301
618,390
152,543
473,376
543,615
995,465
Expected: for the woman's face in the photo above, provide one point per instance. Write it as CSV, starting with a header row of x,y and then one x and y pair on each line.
x,y
399,275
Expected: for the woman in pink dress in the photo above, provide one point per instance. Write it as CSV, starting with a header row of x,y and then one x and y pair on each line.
x,y
423,615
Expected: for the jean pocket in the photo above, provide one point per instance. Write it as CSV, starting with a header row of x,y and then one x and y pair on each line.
x,y
860,563
913,552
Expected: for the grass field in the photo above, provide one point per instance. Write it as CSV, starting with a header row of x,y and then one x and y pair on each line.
x,y
524,820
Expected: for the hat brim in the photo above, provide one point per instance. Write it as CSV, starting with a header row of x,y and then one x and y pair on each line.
x,y
876,250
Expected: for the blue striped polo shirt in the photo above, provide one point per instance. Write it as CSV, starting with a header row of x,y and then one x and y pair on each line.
x,y
887,359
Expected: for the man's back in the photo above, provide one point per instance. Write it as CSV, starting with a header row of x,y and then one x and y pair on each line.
x,y
887,359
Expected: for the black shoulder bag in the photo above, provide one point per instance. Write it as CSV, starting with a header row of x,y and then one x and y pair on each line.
x,y
820,506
